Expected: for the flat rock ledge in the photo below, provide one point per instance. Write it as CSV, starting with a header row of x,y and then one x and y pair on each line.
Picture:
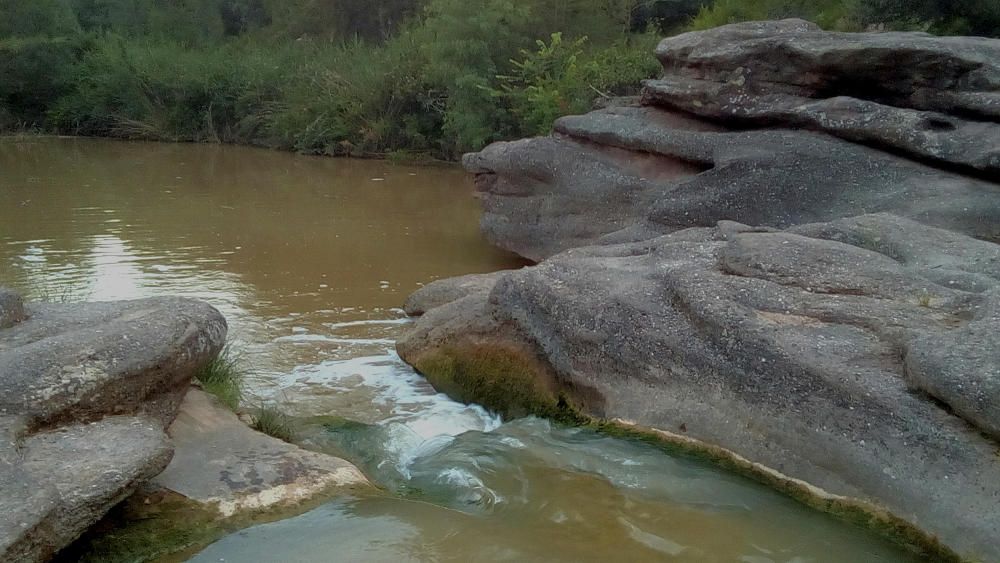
x,y
88,391
223,464
786,249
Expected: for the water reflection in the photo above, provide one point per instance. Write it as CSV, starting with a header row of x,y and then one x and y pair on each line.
x,y
283,245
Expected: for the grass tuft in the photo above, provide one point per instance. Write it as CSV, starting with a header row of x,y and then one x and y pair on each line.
x,y
267,419
924,300
224,377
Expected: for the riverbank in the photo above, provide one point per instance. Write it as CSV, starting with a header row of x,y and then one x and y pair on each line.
x,y
402,98
400,158
420,78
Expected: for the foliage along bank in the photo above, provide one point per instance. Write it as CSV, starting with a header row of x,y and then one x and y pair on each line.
x,y
427,78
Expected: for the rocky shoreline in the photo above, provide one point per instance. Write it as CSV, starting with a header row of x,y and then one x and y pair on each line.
x,y
98,406
786,249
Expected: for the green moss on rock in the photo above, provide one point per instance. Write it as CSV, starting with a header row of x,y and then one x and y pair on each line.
x,y
167,527
504,379
512,381
147,526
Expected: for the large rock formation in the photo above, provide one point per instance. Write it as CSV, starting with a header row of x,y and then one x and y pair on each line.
x,y
786,250
88,392
627,173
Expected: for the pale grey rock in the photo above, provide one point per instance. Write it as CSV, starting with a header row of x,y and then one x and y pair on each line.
x,y
631,173
930,136
62,481
88,360
88,391
220,462
954,75
443,292
807,351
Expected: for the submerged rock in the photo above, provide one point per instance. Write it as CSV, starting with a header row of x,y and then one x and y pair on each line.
x,y
786,249
88,391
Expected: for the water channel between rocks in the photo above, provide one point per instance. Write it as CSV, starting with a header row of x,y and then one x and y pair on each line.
x,y
309,259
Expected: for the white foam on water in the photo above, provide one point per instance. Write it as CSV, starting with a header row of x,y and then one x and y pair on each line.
x,y
310,338
475,490
420,421
374,322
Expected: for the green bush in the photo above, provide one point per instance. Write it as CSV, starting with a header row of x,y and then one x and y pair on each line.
x,y
37,18
35,73
162,91
562,78
945,17
830,14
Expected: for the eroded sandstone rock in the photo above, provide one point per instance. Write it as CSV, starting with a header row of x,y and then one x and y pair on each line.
x,y
88,392
954,75
807,350
632,173
65,479
786,247
766,123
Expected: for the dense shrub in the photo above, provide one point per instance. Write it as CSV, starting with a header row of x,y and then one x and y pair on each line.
x,y
561,78
36,18
352,77
35,73
159,90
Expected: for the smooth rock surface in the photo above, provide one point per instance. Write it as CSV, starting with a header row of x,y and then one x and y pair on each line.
x,y
808,351
932,98
220,461
436,294
89,360
88,391
930,136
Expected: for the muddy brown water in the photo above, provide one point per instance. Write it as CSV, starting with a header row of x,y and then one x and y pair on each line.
x,y
310,259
